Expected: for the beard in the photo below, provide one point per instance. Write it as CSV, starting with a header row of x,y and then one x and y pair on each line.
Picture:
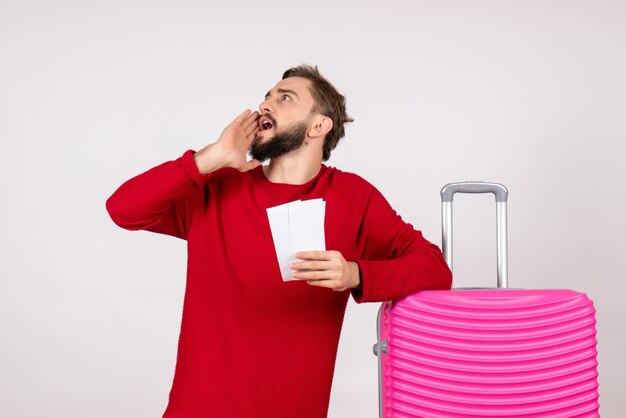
x,y
280,144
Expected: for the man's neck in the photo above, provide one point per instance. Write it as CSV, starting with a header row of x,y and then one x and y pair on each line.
x,y
292,170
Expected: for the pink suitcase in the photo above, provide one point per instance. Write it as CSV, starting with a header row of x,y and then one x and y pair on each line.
x,y
487,352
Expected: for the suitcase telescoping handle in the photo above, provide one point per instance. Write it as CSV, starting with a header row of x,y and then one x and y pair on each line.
x,y
501,194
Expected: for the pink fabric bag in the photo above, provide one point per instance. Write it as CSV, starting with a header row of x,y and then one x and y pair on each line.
x,y
487,352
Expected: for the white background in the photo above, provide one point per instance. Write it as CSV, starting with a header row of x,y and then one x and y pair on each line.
x,y
531,94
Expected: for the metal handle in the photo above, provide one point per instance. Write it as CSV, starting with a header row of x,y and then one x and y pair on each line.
x,y
501,194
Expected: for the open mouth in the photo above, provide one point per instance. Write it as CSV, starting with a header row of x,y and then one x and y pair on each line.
x,y
266,123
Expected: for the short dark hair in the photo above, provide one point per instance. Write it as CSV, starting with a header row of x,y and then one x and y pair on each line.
x,y
328,102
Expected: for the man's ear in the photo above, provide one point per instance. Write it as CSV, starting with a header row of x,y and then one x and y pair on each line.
x,y
321,126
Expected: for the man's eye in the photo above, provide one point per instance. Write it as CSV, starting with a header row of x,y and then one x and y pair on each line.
x,y
286,97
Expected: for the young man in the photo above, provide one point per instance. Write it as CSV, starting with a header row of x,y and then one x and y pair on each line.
x,y
252,345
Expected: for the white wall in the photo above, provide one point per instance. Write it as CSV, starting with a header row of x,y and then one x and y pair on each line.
x,y
528,93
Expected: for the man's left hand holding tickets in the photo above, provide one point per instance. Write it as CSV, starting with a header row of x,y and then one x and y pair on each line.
x,y
326,269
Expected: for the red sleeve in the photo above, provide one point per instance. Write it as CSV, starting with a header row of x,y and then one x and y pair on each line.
x,y
154,200
396,259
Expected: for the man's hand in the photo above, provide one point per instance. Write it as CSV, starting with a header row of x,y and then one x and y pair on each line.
x,y
326,269
232,146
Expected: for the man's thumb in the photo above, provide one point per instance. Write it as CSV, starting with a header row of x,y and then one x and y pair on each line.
x,y
252,164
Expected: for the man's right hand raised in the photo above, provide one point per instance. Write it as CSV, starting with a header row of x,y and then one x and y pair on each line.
x,y
232,146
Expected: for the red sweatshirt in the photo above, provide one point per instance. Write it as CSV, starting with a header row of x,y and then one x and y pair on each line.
x,y
250,344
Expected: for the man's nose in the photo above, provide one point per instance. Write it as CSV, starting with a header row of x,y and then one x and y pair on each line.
x,y
265,106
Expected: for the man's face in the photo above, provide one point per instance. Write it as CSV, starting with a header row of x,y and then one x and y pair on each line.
x,y
285,119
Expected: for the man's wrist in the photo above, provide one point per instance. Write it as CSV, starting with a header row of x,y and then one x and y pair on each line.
x,y
356,275
207,159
